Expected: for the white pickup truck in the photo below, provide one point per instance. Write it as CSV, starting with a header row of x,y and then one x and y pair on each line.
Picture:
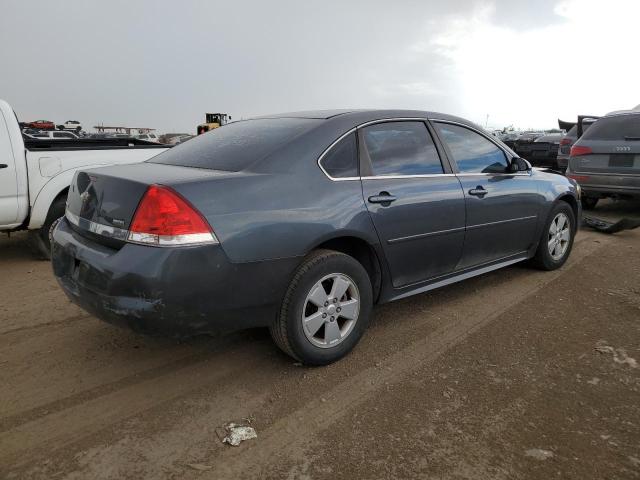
x,y
35,174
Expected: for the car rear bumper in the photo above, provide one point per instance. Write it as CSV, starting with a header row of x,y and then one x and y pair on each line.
x,y
594,184
171,291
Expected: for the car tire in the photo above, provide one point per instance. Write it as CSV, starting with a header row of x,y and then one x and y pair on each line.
x,y
589,203
42,237
313,283
556,241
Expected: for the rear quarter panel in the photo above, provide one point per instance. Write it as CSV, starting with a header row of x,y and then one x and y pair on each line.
x,y
267,216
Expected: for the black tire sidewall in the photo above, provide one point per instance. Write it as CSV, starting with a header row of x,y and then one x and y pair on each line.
x,y
302,347
549,262
56,212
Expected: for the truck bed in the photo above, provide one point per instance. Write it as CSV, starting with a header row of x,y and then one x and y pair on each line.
x,y
89,144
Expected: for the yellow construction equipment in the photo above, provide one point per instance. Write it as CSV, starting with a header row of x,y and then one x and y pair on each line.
x,y
213,120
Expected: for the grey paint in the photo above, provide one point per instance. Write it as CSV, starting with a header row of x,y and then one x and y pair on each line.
x,y
613,167
269,218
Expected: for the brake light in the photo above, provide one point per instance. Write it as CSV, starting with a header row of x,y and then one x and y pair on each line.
x,y
565,141
578,178
576,151
164,218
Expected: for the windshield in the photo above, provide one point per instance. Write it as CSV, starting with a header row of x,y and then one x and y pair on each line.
x,y
236,146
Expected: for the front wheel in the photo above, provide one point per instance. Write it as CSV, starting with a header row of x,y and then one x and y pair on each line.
x,y
557,238
326,309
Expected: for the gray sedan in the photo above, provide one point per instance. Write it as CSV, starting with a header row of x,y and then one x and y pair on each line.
x,y
302,222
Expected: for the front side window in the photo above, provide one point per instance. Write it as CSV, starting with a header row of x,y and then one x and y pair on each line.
x,y
471,151
342,160
401,148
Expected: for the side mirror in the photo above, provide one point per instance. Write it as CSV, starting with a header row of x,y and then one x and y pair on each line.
x,y
519,165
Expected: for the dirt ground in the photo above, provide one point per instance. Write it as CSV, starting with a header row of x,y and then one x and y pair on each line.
x,y
514,374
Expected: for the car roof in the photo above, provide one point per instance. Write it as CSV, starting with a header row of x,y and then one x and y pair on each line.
x,y
359,116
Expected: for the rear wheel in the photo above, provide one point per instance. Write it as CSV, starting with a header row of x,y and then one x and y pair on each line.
x,y
326,309
557,238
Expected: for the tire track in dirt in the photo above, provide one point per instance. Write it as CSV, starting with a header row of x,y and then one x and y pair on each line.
x,y
292,432
113,403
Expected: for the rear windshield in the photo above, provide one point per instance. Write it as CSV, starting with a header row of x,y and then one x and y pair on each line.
x,y
619,127
236,146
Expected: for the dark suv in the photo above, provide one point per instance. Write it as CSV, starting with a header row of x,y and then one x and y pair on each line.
x,y
605,161
301,222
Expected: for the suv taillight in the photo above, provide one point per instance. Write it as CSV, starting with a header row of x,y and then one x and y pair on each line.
x,y
565,141
163,218
576,151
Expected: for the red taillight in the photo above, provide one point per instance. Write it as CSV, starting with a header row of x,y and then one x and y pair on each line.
x,y
578,178
565,141
164,218
576,151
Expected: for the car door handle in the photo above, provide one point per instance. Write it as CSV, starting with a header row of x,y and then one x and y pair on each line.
x,y
382,197
479,191
3,165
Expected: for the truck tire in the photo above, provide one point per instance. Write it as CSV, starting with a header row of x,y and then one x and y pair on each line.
x,y
326,309
41,239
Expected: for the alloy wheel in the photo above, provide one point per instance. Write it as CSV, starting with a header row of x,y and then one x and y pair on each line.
x,y
559,236
331,310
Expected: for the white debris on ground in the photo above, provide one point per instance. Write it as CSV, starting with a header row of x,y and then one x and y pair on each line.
x,y
538,453
237,433
619,355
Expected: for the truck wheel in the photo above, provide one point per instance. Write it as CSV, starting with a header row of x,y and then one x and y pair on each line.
x,y
557,237
326,309
41,239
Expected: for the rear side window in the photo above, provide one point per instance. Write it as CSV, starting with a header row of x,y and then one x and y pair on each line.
x,y
401,148
472,152
619,127
342,160
236,146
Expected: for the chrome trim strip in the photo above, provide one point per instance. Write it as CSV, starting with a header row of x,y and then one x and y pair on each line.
x,y
430,175
424,235
147,239
326,150
419,119
506,174
97,228
489,224
371,122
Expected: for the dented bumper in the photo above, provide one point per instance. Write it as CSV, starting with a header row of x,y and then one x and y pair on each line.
x,y
170,291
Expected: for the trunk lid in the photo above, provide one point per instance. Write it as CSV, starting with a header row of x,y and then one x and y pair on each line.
x,y
102,201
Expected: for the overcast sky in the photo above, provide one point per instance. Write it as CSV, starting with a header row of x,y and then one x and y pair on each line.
x,y
164,64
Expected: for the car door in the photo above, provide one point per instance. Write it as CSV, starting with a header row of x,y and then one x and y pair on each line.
x,y
8,178
502,208
414,200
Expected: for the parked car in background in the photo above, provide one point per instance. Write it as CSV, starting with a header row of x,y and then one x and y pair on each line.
x,y
180,139
54,135
39,125
605,160
301,222
72,125
35,174
567,141
149,137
